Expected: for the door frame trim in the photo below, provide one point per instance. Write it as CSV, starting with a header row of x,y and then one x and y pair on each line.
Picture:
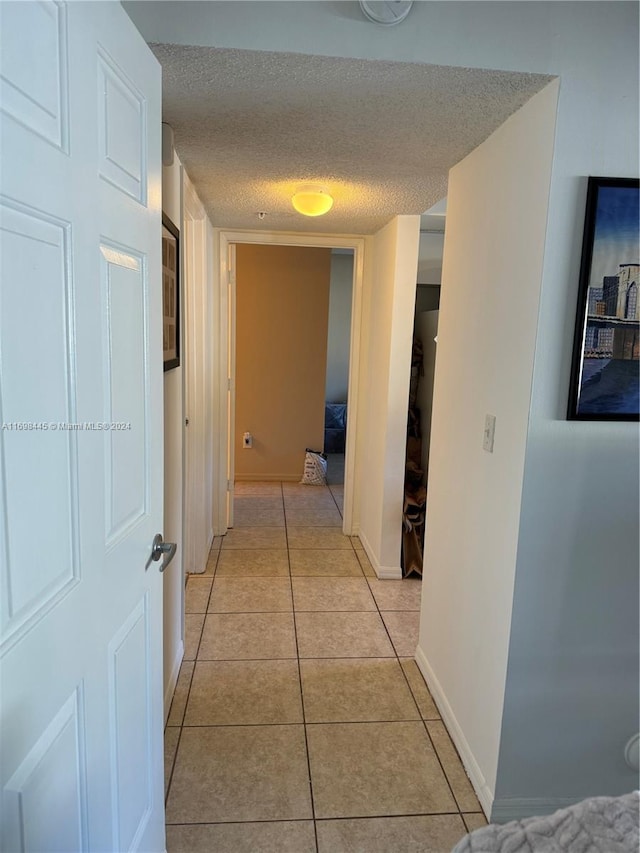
x,y
226,359
194,250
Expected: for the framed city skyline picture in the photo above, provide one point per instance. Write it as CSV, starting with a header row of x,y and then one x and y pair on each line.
x,y
170,294
605,373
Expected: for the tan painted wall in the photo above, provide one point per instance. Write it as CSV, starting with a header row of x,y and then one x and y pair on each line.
x,y
282,310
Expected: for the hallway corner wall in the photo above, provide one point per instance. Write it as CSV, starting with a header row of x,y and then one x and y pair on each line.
x,y
491,282
391,264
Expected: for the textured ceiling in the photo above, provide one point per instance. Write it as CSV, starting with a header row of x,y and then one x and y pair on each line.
x,y
250,126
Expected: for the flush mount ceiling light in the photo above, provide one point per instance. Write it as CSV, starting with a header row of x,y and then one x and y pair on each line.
x,y
386,12
312,200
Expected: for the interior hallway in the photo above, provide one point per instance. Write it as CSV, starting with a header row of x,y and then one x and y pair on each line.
x,y
300,720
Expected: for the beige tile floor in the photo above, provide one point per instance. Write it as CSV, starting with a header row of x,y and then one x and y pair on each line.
x,y
300,722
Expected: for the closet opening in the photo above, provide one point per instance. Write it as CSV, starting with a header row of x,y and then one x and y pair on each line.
x,y
425,336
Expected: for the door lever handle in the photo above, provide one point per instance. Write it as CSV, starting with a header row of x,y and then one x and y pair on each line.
x,y
160,549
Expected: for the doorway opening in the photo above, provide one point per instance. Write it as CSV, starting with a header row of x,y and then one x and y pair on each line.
x,y
292,336
425,337
341,367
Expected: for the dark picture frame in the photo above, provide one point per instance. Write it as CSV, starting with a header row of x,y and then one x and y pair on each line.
x,y
170,294
605,370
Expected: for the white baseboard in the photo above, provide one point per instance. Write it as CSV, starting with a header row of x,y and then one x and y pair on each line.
x,y
516,808
169,689
480,786
497,810
388,573
383,572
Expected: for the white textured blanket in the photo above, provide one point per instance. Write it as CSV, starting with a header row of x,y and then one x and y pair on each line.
x,y
596,825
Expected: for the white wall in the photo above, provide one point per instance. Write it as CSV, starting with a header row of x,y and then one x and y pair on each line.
x,y
572,686
486,339
338,338
523,35
173,578
565,539
390,291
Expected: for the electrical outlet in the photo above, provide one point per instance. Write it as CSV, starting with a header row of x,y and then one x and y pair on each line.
x,y
247,440
489,433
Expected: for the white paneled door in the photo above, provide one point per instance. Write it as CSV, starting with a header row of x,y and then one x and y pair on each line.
x,y
81,438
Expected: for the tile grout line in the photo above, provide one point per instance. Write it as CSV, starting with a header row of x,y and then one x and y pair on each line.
x,y
193,672
243,822
304,724
396,655
299,610
457,754
173,767
319,819
294,723
181,728
444,772
422,720
336,502
264,660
